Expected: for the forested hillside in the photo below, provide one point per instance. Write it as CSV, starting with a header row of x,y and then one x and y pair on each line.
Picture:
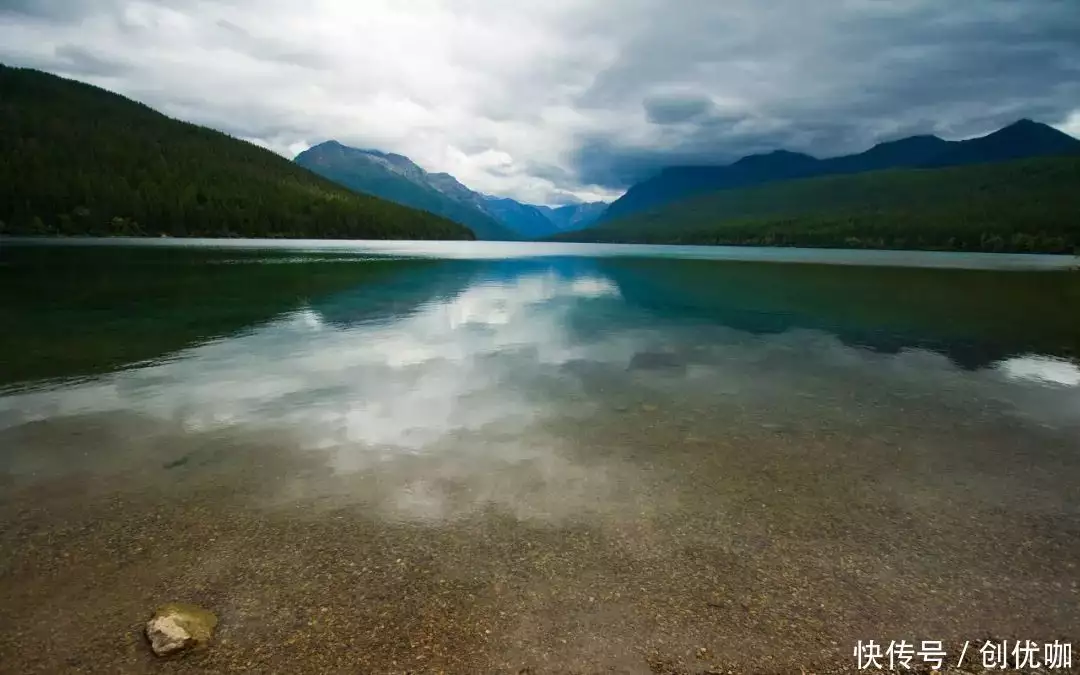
x,y
1029,205
78,160
1022,139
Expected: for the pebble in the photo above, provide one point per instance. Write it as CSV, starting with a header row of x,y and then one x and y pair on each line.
x,y
178,627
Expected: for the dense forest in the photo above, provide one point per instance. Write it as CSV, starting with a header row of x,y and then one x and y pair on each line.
x,y
79,160
1029,205
1022,139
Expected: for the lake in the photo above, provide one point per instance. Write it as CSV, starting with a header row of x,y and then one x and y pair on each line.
x,y
496,457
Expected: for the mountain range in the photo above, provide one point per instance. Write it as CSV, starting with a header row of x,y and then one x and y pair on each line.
x,y
398,179
573,217
1021,139
1028,205
79,160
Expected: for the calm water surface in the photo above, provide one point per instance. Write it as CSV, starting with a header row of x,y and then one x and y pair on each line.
x,y
391,457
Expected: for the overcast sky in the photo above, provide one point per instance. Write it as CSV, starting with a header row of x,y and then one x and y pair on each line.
x,y
552,100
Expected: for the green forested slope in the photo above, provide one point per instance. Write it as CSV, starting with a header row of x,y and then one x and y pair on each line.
x,y
1024,138
76,159
1030,205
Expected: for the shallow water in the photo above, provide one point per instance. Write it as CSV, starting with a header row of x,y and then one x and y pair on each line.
x,y
488,457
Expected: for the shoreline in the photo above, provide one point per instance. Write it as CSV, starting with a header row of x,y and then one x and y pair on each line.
x,y
482,250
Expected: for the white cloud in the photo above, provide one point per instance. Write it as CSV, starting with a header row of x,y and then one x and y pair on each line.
x,y
1071,125
459,87
545,101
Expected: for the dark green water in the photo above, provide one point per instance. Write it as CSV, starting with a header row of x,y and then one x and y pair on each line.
x,y
78,310
590,448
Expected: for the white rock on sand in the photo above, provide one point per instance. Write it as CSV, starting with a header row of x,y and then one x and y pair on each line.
x,y
177,627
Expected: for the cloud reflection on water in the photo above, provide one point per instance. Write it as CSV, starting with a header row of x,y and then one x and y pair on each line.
x,y
404,381
449,397
1041,369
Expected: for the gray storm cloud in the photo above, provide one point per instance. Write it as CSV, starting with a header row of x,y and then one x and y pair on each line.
x,y
550,102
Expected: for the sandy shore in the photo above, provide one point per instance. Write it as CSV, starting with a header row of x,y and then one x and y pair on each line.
x,y
641,541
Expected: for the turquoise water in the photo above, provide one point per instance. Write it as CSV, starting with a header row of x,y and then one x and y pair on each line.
x,y
85,306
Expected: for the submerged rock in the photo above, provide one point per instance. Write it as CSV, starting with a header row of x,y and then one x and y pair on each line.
x,y
178,627
657,361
